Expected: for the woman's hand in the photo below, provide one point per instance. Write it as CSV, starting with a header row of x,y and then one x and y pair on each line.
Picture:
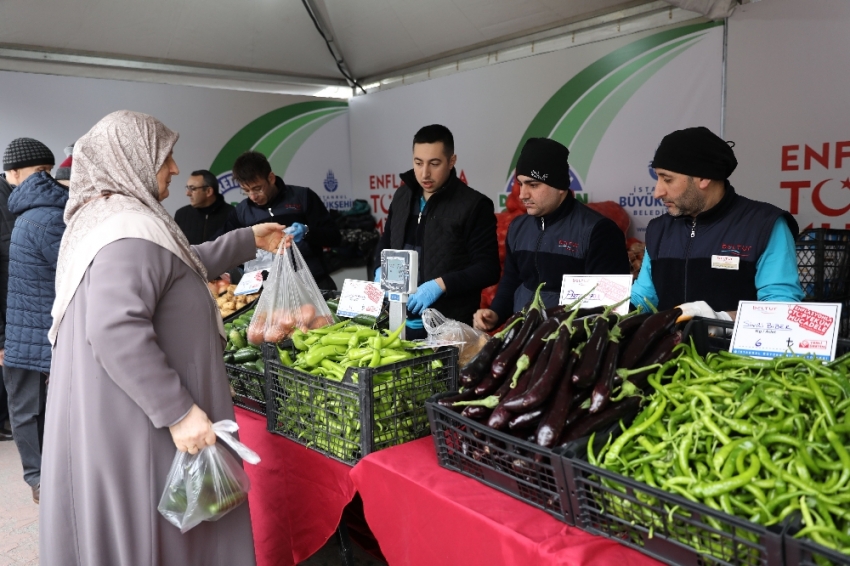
x,y
267,236
193,432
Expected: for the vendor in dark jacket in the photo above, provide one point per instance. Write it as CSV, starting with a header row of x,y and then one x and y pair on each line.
x,y
39,203
557,236
299,208
451,226
204,216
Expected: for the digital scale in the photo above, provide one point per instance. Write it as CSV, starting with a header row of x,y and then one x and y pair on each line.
x,y
399,278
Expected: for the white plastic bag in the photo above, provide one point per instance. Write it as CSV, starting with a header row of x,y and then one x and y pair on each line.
x,y
291,299
208,485
441,329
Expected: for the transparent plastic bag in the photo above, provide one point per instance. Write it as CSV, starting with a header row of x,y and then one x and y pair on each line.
x,y
441,329
291,299
208,485
263,260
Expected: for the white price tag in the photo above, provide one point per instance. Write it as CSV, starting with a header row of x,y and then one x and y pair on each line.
x,y
609,290
250,283
767,330
360,297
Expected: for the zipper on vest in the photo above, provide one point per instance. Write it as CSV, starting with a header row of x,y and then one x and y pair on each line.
x,y
537,248
270,212
206,221
688,255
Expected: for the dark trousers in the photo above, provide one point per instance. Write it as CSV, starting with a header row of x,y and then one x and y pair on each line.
x,y
27,390
4,404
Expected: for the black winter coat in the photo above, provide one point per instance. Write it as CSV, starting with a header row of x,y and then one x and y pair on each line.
x,y
203,224
7,222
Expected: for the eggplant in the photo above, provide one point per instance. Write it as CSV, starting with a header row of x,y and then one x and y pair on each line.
x,y
525,420
628,326
605,381
652,329
475,412
499,417
662,352
473,372
448,402
508,356
596,422
539,390
588,365
552,423
489,384
565,309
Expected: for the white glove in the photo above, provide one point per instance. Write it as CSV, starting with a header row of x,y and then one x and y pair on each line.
x,y
700,308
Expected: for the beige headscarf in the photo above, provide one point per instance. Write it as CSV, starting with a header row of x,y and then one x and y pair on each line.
x,y
113,195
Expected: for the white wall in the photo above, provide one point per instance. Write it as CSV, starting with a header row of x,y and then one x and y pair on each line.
x,y
788,87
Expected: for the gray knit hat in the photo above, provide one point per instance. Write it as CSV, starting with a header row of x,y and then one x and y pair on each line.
x,y
26,152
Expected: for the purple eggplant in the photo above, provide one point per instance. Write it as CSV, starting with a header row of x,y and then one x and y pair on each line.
x,y
587,367
652,330
526,420
596,422
539,390
472,373
605,382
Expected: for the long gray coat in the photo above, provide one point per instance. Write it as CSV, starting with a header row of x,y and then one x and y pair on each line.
x,y
137,346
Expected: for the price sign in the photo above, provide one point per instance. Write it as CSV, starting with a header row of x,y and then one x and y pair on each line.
x,y
250,283
607,290
360,297
767,330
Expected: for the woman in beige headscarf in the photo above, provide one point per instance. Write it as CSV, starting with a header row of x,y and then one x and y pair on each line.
x,y
137,363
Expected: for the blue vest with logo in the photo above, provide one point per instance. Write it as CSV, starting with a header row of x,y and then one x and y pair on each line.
x,y
681,250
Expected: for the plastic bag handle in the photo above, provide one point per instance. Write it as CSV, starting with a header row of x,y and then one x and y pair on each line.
x,y
223,430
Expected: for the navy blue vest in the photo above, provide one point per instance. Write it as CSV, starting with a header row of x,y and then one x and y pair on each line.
x,y
680,249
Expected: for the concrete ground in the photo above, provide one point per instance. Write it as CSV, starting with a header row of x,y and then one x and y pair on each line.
x,y
19,521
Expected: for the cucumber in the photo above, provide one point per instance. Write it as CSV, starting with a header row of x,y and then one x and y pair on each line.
x,y
237,339
333,304
365,320
246,355
228,357
261,367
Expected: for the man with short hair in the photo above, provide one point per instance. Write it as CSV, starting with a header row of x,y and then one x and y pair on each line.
x,y
449,224
558,235
38,202
714,247
206,212
299,208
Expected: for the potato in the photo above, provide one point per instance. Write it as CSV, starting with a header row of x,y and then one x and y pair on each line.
x,y
227,312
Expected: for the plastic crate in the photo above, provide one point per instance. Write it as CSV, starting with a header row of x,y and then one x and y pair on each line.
x,y
697,328
823,263
808,553
361,414
663,525
249,386
514,466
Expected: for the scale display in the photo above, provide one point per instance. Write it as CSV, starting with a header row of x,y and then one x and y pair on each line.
x,y
399,271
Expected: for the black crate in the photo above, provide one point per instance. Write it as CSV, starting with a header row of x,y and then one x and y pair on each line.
x,y
806,552
521,469
823,263
249,388
361,414
665,526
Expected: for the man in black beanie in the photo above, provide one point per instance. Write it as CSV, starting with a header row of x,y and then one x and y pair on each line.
x,y
714,247
557,236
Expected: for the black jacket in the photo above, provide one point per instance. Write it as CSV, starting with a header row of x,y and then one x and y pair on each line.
x,y
455,238
202,224
681,248
7,222
573,239
292,204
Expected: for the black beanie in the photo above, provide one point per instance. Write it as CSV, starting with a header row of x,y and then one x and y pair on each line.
x,y
545,160
26,152
696,152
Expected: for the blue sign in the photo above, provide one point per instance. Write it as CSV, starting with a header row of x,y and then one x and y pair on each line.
x,y
331,184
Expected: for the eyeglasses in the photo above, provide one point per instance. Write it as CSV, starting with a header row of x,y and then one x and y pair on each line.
x,y
191,188
253,190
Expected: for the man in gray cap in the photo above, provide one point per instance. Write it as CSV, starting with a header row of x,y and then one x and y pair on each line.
x,y
558,235
23,158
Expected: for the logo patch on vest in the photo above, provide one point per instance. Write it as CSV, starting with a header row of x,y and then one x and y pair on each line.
x,y
292,206
571,247
740,250
725,262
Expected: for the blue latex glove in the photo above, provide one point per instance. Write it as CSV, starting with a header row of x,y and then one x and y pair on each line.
x,y
297,230
377,278
424,297
414,323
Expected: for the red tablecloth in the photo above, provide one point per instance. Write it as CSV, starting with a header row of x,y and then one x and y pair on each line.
x,y
297,495
424,514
